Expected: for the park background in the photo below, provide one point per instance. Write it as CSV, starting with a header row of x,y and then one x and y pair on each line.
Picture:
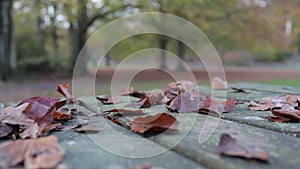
x,y
257,41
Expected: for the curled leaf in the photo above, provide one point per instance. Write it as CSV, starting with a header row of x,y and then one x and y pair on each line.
x,y
157,123
63,89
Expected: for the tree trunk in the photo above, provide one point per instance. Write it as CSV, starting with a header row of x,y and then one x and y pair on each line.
x,y
40,38
180,54
53,29
163,42
7,44
77,40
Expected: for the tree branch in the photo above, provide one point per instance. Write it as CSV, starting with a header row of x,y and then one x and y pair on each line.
x,y
100,15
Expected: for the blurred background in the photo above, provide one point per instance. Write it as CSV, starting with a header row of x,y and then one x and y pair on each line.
x,y
257,41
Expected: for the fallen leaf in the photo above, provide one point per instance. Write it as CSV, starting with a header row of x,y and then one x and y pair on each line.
x,y
132,92
143,103
63,89
109,99
277,119
156,97
174,88
89,128
262,106
157,123
240,90
218,84
63,114
32,153
15,116
275,102
185,102
5,130
230,147
127,112
218,106
47,101
288,113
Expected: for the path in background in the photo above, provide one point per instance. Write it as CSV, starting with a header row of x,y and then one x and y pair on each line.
x,y
12,91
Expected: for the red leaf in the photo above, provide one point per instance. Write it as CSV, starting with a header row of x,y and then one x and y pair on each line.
x,y
33,153
109,99
63,89
157,123
230,147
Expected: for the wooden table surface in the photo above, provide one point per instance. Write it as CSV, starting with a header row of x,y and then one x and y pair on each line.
x,y
279,139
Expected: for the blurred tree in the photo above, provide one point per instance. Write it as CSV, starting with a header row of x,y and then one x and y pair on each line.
x,y
7,44
81,18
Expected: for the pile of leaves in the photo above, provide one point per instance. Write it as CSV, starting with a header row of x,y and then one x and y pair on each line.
x,y
178,97
285,108
33,118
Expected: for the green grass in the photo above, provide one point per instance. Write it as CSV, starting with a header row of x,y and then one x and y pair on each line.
x,y
283,82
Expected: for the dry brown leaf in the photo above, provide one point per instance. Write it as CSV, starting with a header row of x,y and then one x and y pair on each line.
x,y
15,116
230,147
262,106
33,153
157,123
277,119
63,114
218,84
217,106
185,102
5,130
63,89
288,113
174,88
275,102
109,99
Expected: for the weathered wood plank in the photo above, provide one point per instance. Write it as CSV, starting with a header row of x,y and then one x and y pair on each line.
x,y
268,88
83,152
282,148
254,95
241,114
